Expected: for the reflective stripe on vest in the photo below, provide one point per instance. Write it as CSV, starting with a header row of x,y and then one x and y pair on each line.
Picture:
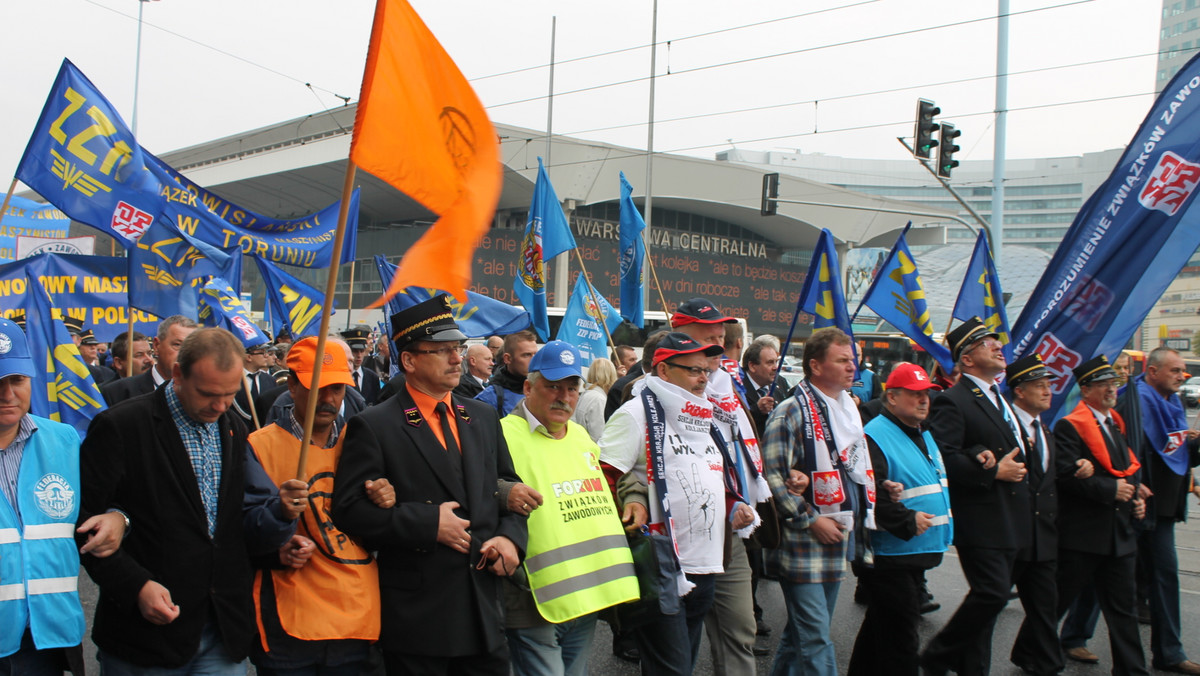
x,y
578,558
925,474
38,548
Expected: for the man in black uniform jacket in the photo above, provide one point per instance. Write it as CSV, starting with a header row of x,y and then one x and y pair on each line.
x,y
978,435
443,546
1097,542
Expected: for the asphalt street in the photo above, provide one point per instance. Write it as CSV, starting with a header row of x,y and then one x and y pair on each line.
x,y
948,587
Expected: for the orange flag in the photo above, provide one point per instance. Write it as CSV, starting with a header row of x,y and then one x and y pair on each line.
x,y
421,128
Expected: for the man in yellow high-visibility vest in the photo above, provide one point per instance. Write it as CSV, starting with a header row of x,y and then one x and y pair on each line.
x,y
577,562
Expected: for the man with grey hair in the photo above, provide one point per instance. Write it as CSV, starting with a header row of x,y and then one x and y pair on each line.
x,y
1168,451
477,369
166,344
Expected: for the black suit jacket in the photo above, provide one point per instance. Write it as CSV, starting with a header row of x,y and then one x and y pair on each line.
x,y
133,458
118,391
1043,498
987,512
1090,518
468,386
759,418
434,602
371,386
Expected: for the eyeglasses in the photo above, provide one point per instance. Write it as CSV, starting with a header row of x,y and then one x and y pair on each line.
x,y
446,351
694,371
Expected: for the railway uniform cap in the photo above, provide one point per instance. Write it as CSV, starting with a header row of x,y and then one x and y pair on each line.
x,y
86,337
14,351
1094,370
967,334
1026,369
698,311
429,320
674,344
357,336
74,326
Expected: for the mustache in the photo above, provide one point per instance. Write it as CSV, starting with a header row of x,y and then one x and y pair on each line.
x,y
560,406
327,408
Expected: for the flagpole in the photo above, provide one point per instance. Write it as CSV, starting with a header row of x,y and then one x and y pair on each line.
x,y
654,274
350,298
326,309
603,321
8,196
250,401
786,343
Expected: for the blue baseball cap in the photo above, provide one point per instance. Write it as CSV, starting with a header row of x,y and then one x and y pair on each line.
x,y
14,351
557,360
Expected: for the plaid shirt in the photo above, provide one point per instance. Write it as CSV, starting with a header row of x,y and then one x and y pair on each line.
x,y
800,558
203,444
297,429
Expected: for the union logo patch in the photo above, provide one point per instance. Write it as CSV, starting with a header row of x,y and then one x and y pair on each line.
x,y
55,497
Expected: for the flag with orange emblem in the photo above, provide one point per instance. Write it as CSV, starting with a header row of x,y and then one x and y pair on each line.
x,y
421,128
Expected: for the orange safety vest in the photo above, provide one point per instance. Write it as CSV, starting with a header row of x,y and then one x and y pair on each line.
x,y
336,594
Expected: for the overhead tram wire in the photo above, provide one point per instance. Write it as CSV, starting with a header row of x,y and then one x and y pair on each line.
x,y
635,48
221,51
793,52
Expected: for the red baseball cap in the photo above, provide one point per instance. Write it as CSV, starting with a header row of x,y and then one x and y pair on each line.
x,y
908,376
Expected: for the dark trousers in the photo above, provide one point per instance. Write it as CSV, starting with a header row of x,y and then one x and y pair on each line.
x,y
887,641
29,661
670,645
487,664
1036,649
1157,548
964,645
1116,590
1080,623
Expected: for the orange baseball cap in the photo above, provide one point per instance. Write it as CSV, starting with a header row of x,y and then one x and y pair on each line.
x,y
335,368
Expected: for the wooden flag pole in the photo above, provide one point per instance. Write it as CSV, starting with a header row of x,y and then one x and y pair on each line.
x,y
350,299
592,292
8,196
654,274
310,411
250,401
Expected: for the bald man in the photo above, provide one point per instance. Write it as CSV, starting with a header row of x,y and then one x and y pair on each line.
x,y
477,369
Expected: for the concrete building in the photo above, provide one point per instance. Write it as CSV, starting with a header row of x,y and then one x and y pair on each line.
x,y
1178,39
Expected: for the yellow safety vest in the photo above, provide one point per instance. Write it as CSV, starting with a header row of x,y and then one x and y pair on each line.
x,y
578,559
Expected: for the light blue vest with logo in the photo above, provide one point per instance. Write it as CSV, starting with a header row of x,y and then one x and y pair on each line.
x,y
39,564
924,489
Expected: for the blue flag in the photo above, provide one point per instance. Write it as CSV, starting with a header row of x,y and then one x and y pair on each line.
x,y
547,234
84,160
633,258
220,306
292,303
63,388
479,317
821,295
581,322
1125,246
167,268
898,298
981,295
26,218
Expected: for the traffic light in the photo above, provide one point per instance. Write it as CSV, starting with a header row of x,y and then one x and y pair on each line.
x,y
923,141
946,151
770,191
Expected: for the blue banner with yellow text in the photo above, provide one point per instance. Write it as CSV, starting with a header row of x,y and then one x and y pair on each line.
x,y
92,289
291,303
167,268
83,159
63,388
1125,246
822,295
220,306
479,317
898,297
26,218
